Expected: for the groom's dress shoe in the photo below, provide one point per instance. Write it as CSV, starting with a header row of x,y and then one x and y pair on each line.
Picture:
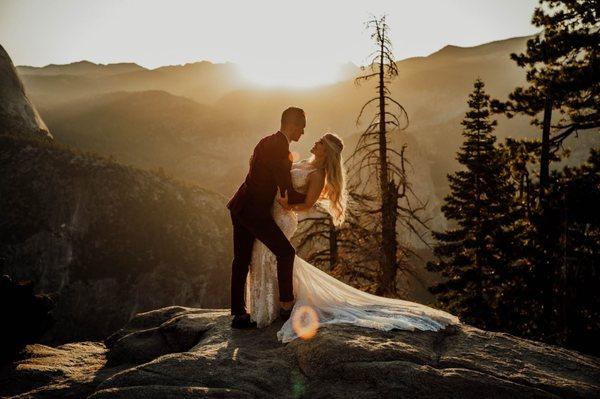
x,y
242,322
285,314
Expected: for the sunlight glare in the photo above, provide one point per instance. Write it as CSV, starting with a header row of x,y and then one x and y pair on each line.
x,y
305,322
290,74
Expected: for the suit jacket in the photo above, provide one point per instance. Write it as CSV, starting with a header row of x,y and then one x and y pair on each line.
x,y
269,170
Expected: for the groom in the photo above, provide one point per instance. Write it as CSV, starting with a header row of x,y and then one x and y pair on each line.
x,y
250,210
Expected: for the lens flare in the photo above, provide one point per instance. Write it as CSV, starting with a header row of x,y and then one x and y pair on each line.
x,y
305,322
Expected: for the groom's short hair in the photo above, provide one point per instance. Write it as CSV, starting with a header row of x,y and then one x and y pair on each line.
x,y
293,115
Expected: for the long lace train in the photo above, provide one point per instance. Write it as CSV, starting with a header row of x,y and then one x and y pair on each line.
x,y
322,299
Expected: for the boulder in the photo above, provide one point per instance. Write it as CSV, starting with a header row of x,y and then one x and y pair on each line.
x,y
193,353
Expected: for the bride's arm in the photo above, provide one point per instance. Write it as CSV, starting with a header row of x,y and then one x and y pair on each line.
x,y
316,182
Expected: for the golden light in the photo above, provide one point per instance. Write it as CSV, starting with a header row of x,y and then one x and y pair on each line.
x,y
295,74
305,322
294,156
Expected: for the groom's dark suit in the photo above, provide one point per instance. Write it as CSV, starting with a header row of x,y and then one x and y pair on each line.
x,y
250,209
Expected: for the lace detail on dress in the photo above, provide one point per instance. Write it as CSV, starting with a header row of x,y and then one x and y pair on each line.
x,y
262,289
332,300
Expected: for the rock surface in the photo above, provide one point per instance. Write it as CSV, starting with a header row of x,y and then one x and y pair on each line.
x,y
17,113
193,353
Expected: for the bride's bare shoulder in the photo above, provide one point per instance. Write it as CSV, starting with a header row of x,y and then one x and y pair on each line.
x,y
317,175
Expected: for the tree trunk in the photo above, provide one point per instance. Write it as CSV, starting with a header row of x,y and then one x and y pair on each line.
x,y
333,245
545,156
388,222
478,236
546,271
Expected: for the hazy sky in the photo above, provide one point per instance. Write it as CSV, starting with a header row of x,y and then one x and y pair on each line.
x,y
323,33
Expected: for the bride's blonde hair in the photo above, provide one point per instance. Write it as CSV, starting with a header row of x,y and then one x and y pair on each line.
x,y
335,179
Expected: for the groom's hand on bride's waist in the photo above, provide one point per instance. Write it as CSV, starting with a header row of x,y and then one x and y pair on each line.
x,y
283,200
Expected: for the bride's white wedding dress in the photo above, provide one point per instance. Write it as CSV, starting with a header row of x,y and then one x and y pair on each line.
x,y
321,298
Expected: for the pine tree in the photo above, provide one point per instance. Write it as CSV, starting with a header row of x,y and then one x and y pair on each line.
x,y
562,63
569,315
475,255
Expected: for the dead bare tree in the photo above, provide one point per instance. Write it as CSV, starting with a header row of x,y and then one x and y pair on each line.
x,y
326,245
392,201
317,235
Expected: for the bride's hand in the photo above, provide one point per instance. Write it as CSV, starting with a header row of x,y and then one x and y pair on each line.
x,y
283,201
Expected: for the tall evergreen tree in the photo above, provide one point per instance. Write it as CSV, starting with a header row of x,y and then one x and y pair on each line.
x,y
562,97
476,254
562,63
568,314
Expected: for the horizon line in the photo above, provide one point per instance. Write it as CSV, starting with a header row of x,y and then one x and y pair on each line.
x,y
235,63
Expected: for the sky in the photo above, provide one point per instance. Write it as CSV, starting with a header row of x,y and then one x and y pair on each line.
x,y
297,43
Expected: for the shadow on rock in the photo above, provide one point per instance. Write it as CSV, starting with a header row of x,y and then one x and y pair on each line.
x,y
27,316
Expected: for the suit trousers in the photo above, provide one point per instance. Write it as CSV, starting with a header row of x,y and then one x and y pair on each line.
x,y
245,231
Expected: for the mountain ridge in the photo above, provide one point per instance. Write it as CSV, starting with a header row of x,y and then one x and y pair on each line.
x,y
348,65
80,67
488,47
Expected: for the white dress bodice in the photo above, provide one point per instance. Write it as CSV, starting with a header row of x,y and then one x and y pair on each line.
x,y
300,172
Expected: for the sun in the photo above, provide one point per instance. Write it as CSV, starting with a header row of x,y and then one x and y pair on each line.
x,y
287,73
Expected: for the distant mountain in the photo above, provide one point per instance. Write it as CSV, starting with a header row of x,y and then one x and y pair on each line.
x,y
183,137
57,84
433,89
495,48
80,68
154,129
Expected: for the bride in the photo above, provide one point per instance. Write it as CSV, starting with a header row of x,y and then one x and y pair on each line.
x,y
320,298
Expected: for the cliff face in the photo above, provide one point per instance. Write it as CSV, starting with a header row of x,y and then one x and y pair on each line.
x,y
104,240
17,113
107,240
190,353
